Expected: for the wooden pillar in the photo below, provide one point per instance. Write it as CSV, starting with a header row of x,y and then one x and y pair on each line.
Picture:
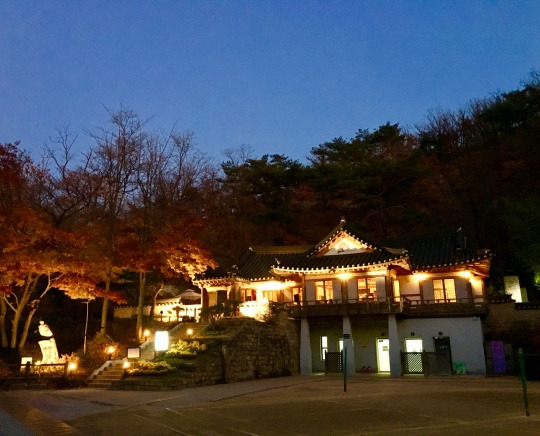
x,y
304,293
345,290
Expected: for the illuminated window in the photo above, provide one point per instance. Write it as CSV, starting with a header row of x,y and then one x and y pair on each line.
x,y
276,296
250,295
324,347
367,288
444,290
395,288
323,290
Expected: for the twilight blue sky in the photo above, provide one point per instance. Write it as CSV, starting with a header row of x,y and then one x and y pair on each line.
x,y
280,76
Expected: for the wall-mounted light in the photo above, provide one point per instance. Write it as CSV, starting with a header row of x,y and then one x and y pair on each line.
x,y
412,333
440,333
420,276
465,274
344,276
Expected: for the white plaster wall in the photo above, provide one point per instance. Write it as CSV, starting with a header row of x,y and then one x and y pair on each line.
x,y
466,338
380,288
408,285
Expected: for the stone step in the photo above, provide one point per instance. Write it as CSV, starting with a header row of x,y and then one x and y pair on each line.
x,y
113,372
109,376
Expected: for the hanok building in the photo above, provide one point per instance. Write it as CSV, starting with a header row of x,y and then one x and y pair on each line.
x,y
395,308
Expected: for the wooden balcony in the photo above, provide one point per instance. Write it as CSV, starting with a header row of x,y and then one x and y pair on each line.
x,y
457,307
407,307
341,307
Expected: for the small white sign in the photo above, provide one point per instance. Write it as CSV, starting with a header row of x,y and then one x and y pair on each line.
x,y
134,353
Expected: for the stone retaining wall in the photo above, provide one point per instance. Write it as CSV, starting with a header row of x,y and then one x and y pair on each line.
x,y
258,350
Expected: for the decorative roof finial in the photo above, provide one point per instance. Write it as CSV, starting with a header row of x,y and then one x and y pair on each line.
x,y
343,220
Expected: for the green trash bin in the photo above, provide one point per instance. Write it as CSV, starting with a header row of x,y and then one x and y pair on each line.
x,y
460,368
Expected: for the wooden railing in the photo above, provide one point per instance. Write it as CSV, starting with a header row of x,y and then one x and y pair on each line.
x,y
455,307
341,307
406,306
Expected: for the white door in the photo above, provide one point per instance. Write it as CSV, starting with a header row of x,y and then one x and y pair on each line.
x,y
413,345
383,354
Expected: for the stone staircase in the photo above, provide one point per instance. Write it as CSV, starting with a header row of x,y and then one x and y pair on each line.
x,y
110,373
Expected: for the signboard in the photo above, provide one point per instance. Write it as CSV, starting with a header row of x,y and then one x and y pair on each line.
x,y
134,353
161,341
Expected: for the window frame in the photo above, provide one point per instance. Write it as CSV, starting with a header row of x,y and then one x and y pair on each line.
x,y
369,287
327,288
445,289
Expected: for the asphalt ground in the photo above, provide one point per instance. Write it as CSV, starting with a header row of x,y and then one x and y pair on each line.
x,y
300,405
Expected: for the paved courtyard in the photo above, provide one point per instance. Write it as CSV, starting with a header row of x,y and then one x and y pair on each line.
x,y
301,405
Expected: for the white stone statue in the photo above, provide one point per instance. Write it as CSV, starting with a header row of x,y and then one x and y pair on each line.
x,y
48,345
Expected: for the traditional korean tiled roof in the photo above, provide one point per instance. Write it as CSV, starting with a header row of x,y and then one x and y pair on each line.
x,y
338,262
257,263
343,226
445,249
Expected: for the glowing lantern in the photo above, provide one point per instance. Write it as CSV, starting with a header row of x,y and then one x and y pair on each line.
x,y
161,341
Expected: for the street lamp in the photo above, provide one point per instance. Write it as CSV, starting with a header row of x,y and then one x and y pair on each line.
x,y
87,302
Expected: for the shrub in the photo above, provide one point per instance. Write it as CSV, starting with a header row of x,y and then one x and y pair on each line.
x,y
151,368
186,349
96,351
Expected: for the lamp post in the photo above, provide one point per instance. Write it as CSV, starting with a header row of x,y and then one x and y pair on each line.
x,y
87,302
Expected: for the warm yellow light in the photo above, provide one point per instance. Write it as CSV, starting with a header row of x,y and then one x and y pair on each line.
x,y
189,332
146,333
38,362
72,366
110,349
465,274
161,341
344,276
126,365
272,285
420,276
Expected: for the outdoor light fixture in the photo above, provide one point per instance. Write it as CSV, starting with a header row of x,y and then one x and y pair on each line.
x,y
110,351
72,366
420,276
161,341
189,332
344,276
126,364
146,333
465,274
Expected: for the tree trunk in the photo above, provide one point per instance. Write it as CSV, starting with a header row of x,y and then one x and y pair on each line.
x,y
105,307
24,333
140,306
3,333
30,283
154,302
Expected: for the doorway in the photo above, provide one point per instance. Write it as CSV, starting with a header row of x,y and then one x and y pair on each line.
x,y
383,354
